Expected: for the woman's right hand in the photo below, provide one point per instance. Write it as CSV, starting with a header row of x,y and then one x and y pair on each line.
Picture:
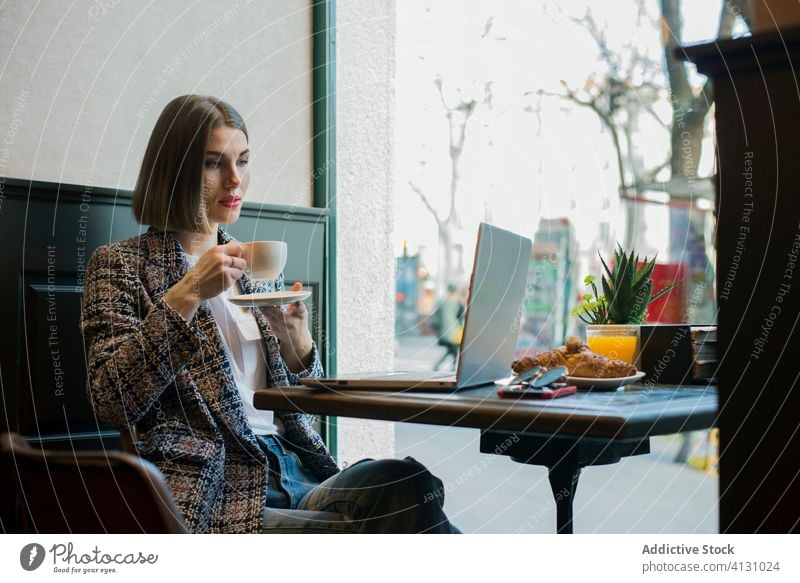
x,y
215,271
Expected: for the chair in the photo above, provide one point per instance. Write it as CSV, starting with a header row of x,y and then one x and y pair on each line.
x,y
116,492
89,492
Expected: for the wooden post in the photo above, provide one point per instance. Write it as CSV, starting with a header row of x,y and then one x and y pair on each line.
x,y
758,276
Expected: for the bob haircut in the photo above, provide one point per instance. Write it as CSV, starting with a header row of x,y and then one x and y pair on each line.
x,y
169,191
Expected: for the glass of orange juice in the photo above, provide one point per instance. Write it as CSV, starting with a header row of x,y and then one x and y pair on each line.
x,y
620,341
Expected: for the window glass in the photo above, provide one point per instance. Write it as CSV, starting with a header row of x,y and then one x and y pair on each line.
x,y
554,120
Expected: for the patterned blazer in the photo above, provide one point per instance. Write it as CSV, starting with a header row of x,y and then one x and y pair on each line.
x,y
148,367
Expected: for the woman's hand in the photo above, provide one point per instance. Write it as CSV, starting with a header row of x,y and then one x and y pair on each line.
x,y
291,328
215,271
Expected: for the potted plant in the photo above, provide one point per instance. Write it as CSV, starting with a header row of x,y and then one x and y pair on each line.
x,y
613,317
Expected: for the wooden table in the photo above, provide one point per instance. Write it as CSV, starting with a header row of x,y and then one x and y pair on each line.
x,y
565,434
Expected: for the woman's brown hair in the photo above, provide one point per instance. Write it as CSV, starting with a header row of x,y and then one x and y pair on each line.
x,y
169,190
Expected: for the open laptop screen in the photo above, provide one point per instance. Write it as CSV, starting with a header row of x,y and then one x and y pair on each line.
x,y
491,322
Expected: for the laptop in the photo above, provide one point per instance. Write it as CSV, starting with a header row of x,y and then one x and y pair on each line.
x,y
488,343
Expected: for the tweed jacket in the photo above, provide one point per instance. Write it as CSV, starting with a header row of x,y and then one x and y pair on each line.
x,y
147,366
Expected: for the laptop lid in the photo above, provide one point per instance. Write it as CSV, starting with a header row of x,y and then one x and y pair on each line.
x,y
491,321
489,339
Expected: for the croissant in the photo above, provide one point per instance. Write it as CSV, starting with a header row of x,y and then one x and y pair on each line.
x,y
579,360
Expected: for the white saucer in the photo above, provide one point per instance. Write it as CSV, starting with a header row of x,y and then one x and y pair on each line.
x,y
270,299
604,384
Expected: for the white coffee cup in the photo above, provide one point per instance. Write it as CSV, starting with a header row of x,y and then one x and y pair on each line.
x,y
265,259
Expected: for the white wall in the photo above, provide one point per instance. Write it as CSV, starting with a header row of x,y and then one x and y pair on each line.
x,y
365,150
82,83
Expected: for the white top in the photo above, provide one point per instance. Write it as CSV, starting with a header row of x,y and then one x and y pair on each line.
x,y
245,348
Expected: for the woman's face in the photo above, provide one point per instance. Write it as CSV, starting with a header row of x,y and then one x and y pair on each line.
x,y
226,175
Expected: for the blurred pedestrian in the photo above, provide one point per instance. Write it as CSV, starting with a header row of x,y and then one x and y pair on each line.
x,y
449,325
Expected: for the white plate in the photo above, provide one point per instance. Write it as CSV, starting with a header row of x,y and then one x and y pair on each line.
x,y
270,299
604,384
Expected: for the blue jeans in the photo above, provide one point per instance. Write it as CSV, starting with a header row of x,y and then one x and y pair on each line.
x,y
288,479
383,496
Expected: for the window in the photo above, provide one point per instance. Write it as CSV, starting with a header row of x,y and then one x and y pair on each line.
x,y
554,120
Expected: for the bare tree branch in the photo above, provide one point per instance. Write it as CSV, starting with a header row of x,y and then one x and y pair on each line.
x,y
458,117
643,13
426,202
649,109
588,22
608,122
633,83
650,175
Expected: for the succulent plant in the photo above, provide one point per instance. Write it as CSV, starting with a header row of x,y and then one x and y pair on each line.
x,y
627,291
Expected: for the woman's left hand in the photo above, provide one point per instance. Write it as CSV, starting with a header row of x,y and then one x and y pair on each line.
x,y
291,328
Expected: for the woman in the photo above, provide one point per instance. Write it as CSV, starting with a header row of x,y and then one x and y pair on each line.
x,y
169,353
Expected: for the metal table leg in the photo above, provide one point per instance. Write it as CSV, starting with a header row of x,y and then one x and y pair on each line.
x,y
563,456
564,483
